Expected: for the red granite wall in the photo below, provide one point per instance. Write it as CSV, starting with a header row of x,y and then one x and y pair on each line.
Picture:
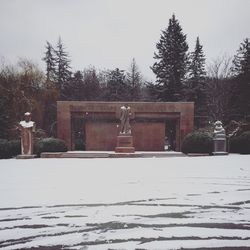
x,y
149,136
148,123
100,135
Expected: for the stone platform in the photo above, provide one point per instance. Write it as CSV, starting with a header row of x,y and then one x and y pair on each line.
x,y
124,144
111,154
25,156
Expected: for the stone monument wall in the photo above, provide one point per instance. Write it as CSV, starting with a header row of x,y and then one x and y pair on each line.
x,y
148,121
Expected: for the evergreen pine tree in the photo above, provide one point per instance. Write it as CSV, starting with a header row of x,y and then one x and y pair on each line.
x,y
75,87
116,89
134,82
50,61
92,84
63,73
197,71
170,68
241,72
194,89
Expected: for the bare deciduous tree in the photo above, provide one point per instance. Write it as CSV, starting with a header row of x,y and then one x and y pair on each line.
x,y
219,88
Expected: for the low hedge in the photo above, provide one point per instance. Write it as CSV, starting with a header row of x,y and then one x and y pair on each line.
x,y
198,142
4,149
241,143
50,145
15,147
9,149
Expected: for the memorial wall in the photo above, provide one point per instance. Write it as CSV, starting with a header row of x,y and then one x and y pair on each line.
x,y
101,122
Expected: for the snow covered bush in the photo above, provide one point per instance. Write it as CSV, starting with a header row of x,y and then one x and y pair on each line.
x,y
9,149
241,143
197,142
50,145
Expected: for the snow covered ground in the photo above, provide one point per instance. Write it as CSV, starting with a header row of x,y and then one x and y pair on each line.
x,y
155,203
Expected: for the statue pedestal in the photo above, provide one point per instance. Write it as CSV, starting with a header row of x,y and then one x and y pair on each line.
x,y
124,144
25,156
220,147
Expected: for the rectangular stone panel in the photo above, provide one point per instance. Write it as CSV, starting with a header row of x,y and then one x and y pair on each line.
x,y
148,136
101,135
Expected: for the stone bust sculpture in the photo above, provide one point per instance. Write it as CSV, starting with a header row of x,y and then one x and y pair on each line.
x,y
124,118
27,128
219,131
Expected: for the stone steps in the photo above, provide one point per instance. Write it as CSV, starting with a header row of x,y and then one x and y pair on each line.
x,y
110,154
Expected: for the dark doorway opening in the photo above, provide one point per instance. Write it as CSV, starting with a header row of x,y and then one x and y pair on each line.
x,y
78,133
170,135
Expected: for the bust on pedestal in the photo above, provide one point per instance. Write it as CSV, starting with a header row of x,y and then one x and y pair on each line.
x,y
219,139
125,139
27,128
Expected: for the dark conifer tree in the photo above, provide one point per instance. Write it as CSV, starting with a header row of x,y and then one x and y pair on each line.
x,y
241,72
92,84
84,86
63,71
197,72
134,82
194,88
75,88
171,66
50,61
116,89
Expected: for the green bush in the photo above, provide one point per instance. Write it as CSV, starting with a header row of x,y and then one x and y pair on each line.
x,y
4,149
9,149
241,143
198,142
50,145
14,147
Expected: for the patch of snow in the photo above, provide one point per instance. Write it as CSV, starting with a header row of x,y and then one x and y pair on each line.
x,y
116,203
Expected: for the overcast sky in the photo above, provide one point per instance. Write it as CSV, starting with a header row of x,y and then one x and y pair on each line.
x,y
109,33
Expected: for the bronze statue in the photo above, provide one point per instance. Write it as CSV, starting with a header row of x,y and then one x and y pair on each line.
x,y
27,128
124,117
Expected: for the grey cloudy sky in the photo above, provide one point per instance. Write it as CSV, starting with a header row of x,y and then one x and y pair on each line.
x,y
109,33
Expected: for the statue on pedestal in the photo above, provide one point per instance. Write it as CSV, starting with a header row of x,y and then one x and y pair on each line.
x,y
219,131
124,118
27,128
220,147
125,139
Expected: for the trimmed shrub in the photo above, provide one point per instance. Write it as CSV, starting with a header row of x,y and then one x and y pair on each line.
x,y
9,149
4,149
14,147
198,142
241,143
50,145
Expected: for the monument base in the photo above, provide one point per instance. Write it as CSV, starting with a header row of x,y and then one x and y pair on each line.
x,y
124,144
220,153
220,146
25,156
